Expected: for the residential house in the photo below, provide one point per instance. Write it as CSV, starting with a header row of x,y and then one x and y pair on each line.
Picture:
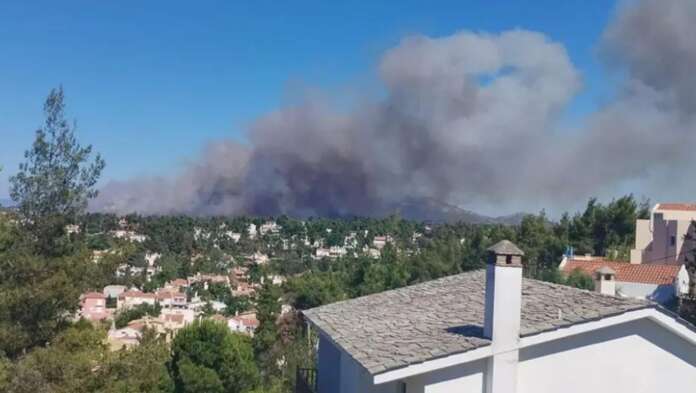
x,y
494,331
662,238
113,291
128,235
380,241
658,282
269,227
134,298
169,298
125,337
151,258
245,323
93,306
251,230
259,258
178,284
234,236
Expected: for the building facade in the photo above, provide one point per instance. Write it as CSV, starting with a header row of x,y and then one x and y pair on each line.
x,y
662,238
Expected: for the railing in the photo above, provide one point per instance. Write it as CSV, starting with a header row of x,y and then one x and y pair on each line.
x,y
306,380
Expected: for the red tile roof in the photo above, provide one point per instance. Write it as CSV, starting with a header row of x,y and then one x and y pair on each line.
x,y
677,206
627,272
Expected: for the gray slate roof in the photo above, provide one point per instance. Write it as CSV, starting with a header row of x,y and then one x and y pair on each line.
x,y
397,328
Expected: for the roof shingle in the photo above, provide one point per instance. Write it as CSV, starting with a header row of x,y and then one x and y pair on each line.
x,y
396,328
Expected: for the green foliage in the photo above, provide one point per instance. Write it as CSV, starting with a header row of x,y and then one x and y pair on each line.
x,y
267,335
64,367
138,369
314,289
37,296
207,357
56,181
578,279
136,312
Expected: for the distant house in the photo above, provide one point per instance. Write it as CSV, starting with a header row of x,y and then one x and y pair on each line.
x,y
658,282
662,238
133,298
113,291
493,331
176,284
244,323
380,241
125,337
169,298
93,306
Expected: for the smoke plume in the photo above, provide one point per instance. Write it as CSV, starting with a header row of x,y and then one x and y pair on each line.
x,y
470,119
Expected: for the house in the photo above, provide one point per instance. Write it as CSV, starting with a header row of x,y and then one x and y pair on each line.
x,y
245,323
176,318
380,241
662,238
493,331
93,306
112,291
151,258
134,298
169,298
177,284
125,337
658,282
269,227
251,230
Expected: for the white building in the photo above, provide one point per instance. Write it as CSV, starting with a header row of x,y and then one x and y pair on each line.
x,y
269,227
493,331
662,238
134,298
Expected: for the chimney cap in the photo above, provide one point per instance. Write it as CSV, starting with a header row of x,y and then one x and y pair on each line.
x,y
505,247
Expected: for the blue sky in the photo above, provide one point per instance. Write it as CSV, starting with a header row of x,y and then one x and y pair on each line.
x,y
151,82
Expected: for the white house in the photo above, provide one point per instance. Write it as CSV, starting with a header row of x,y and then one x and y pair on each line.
x,y
493,331
662,283
134,298
662,238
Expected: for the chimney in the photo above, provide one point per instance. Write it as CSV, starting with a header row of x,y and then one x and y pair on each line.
x,y
605,281
502,315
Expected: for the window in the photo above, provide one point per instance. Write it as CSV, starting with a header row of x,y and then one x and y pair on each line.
x,y
508,259
672,241
402,387
607,277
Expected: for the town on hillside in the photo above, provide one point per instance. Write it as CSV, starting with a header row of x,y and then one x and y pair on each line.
x,y
333,197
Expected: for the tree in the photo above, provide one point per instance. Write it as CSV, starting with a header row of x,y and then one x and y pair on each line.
x,y
57,179
136,312
208,358
141,368
67,366
267,334
579,279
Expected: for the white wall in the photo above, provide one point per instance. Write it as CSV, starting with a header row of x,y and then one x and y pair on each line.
x,y
659,293
464,378
636,357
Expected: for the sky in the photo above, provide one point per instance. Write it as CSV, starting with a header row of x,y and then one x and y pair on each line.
x,y
156,86
150,83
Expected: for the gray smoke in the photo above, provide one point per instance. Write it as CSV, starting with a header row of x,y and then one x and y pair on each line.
x,y
468,120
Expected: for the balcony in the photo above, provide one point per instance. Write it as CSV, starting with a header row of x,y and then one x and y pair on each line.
x,y
306,380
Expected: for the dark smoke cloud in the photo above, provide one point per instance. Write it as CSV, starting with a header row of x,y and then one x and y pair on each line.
x,y
468,120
